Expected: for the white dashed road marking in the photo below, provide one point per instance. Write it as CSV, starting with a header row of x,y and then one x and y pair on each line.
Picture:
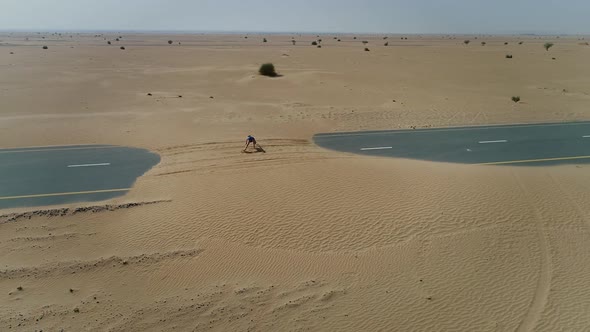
x,y
90,165
498,141
377,148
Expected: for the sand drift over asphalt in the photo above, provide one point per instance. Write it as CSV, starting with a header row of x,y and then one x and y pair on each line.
x,y
300,237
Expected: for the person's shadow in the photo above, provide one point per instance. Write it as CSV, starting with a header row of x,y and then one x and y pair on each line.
x,y
258,149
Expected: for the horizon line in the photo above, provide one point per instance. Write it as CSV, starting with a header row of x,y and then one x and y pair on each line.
x,y
233,32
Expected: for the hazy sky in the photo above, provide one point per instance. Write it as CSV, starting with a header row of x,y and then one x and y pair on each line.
x,y
380,16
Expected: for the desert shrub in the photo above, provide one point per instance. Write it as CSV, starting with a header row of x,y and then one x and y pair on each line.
x,y
516,99
506,43
319,46
109,42
384,38
508,56
354,38
267,69
122,47
264,40
366,49
340,40
547,46
292,41
365,42
117,39
386,44
314,43
483,43
520,43
45,47
466,42
170,42
319,40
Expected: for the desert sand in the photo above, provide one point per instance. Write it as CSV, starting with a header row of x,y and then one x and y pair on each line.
x,y
298,238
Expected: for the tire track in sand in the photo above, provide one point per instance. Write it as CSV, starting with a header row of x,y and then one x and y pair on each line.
x,y
539,300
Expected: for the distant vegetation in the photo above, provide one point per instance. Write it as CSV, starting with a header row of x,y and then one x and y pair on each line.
x,y
292,41
466,42
314,43
386,44
516,99
45,47
109,42
508,56
122,47
319,46
264,40
547,46
483,43
268,69
365,42
520,43
366,49
506,43
170,42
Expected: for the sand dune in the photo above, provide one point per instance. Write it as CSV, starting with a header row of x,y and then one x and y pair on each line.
x,y
298,238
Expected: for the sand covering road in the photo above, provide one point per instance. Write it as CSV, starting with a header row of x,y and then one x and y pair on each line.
x,y
299,238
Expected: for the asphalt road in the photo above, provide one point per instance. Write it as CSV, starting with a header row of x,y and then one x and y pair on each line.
x,y
62,174
524,145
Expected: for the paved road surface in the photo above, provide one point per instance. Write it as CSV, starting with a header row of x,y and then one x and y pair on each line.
x,y
526,145
62,174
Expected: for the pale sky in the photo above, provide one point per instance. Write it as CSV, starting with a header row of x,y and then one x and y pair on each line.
x,y
376,16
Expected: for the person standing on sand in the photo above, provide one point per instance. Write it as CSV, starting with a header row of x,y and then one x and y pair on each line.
x,y
250,139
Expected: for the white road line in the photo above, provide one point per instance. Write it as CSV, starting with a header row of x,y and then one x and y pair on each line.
x,y
378,148
46,146
498,141
51,150
430,130
90,165
586,136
